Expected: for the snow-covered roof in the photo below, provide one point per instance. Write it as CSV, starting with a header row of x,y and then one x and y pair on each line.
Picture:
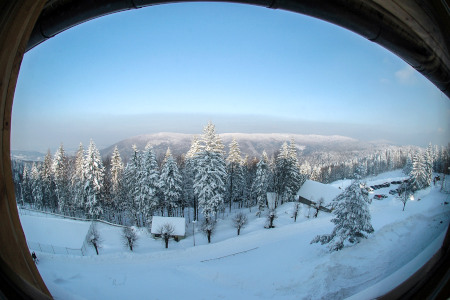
x,y
179,224
313,191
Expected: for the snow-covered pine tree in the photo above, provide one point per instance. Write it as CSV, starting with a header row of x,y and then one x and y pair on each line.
x,y
27,189
261,183
282,171
297,179
170,183
93,184
210,174
78,199
408,165
48,183
352,218
428,164
116,170
36,187
150,177
62,181
132,186
235,176
116,190
418,176
189,175
288,178
305,170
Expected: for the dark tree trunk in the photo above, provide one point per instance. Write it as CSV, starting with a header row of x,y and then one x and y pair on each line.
x,y
166,239
209,236
239,230
96,249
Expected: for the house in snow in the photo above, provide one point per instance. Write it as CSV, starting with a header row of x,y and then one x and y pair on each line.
x,y
312,191
178,225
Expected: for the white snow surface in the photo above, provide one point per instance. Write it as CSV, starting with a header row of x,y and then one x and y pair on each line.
x,y
55,231
277,263
313,190
179,224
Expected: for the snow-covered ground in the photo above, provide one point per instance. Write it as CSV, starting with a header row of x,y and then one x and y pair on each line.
x,y
277,263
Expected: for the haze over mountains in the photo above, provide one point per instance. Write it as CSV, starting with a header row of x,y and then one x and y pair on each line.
x,y
251,144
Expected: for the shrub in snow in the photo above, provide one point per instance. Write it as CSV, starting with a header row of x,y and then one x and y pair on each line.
x,y
207,227
317,207
295,211
94,238
406,192
271,216
352,220
130,237
166,231
239,221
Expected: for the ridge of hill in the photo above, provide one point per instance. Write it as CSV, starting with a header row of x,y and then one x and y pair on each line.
x,y
251,144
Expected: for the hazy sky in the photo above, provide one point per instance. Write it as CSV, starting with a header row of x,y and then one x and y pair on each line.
x,y
246,68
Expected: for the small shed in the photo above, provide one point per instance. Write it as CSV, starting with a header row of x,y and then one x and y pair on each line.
x,y
311,191
178,225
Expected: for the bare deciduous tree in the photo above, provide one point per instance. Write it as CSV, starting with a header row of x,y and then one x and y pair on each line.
x,y
271,216
130,237
166,231
208,226
295,211
239,221
317,206
94,238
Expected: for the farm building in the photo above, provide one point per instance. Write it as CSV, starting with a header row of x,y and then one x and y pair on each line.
x,y
311,191
178,225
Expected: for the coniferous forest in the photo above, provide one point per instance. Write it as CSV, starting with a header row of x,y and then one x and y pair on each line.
x,y
201,184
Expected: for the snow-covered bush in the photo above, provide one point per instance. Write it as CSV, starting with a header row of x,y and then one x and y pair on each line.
x,y
239,221
207,227
94,238
295,211
352,221
319,203
166,232
130,237
271,216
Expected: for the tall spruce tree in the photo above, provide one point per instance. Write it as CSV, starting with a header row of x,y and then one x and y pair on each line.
x,y
235,176
151,185
48,183
418,177
261,183
36,187
210,174
189,174
170,184
78,198
132,184
62,179
93,181
288,177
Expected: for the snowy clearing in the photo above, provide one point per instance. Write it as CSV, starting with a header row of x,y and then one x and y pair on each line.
x,y
261,263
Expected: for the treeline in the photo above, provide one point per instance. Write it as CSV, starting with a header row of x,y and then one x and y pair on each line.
x,y
205,179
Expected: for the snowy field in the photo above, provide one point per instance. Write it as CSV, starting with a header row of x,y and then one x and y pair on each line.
x,y
54,231
261,263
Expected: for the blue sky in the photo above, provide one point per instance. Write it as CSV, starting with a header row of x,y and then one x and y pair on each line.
x,y
246,68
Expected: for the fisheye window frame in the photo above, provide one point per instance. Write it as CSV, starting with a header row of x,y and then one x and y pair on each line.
x,y
419,34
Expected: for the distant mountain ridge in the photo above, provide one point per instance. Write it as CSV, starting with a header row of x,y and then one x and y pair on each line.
x,y
27,155
251,144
